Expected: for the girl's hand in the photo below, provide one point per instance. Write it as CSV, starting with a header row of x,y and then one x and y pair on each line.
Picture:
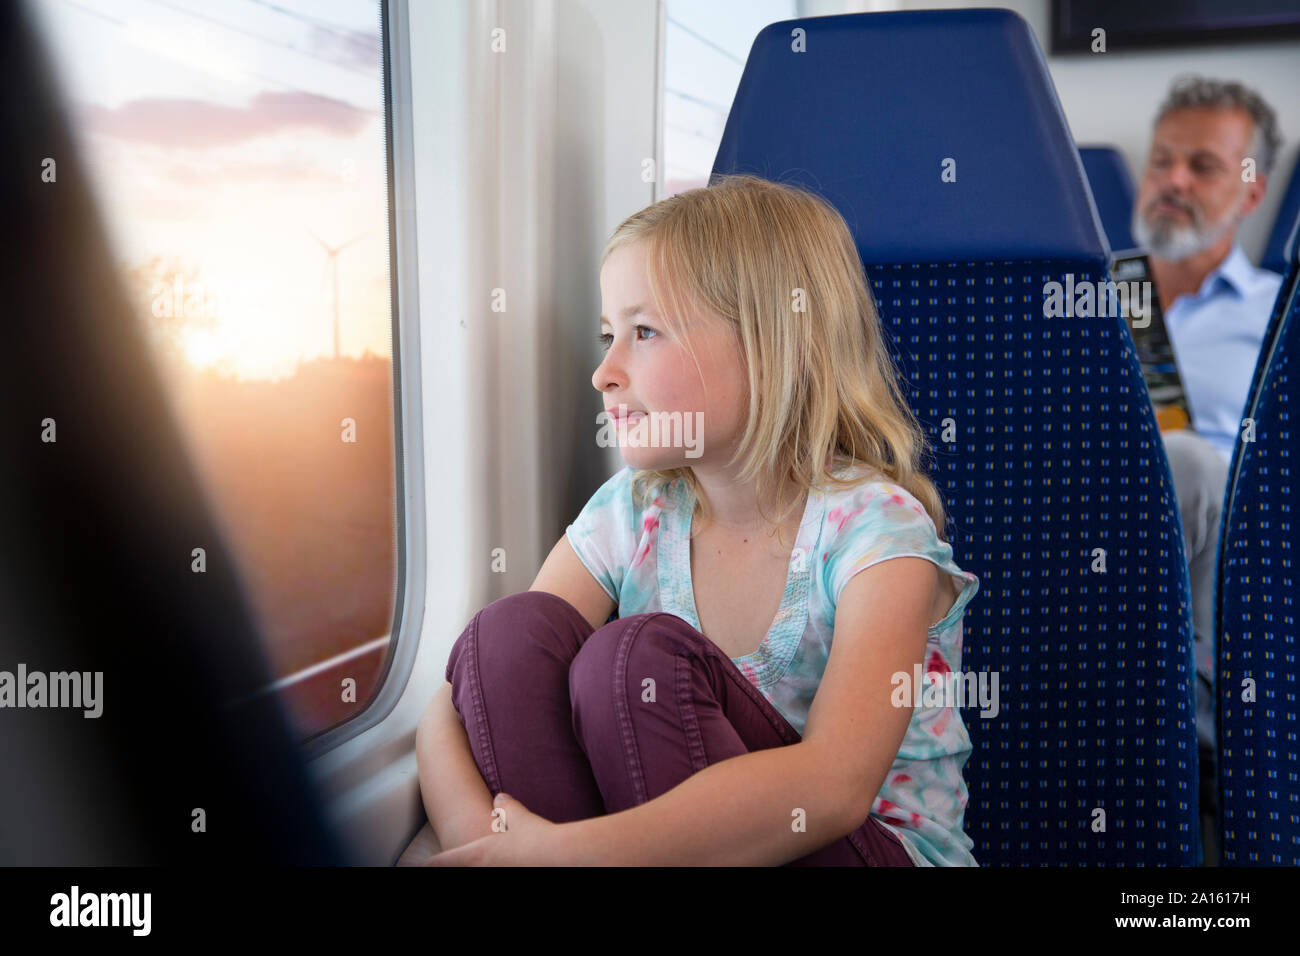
x,y
519,838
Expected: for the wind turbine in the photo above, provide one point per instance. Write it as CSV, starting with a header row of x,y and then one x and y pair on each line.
x,y
332,264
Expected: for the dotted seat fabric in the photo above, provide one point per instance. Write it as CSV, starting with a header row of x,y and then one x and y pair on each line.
x,y
1257,642
1045,445
1056,455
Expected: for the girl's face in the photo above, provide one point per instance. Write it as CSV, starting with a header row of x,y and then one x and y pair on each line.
x,y
650,370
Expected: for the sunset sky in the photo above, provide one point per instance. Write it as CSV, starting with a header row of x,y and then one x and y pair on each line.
x,y
222,136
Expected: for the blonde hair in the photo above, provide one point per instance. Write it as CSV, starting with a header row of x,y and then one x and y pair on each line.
x,y
822,384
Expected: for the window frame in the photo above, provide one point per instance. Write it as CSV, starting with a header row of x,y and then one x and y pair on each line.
x,y
408,445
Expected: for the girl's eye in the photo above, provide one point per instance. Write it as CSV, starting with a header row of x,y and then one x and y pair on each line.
x,y
604,337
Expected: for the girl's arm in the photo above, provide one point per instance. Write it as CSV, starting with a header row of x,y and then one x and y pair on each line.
x,y
740,812
456,799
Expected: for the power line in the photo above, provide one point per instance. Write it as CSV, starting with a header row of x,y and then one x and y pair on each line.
x,y
706,41
123,25
340,31
96,13
692,98
257,36
348,36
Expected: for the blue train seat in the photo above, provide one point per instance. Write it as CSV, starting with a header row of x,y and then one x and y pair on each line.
x,y
1288,216
1113,192
1257,640
939,137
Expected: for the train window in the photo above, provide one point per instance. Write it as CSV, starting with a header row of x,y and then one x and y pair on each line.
x,y
240,161
704,55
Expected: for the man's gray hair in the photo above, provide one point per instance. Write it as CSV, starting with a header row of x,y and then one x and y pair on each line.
x,y
1198,92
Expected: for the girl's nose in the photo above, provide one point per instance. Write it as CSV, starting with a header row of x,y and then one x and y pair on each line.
x,y
607,372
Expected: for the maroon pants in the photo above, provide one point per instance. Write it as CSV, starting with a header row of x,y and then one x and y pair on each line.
x,y
551,709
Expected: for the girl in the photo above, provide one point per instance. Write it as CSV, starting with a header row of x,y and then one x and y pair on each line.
x,y
780,579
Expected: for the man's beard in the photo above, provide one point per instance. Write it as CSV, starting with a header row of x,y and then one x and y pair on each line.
x,y
1167,241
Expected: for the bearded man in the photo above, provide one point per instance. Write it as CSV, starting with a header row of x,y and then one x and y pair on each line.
x,y
1213,147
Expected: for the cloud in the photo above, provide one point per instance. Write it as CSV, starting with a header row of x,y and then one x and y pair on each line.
x,y
287,171
351,48
201,124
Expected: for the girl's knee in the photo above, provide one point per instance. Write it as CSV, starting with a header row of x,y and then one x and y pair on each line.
x,y
519,634
526,602
515,615
635,646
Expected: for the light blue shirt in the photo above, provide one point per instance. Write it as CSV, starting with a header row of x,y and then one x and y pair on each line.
x,y
1217,334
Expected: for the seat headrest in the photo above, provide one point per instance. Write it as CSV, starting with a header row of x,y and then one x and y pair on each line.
x,y
1280,252
873,106
1113,192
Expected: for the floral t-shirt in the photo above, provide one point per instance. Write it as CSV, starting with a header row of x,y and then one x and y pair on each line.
x,y
641,557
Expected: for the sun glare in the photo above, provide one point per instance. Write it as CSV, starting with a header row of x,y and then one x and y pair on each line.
x,y
201,349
